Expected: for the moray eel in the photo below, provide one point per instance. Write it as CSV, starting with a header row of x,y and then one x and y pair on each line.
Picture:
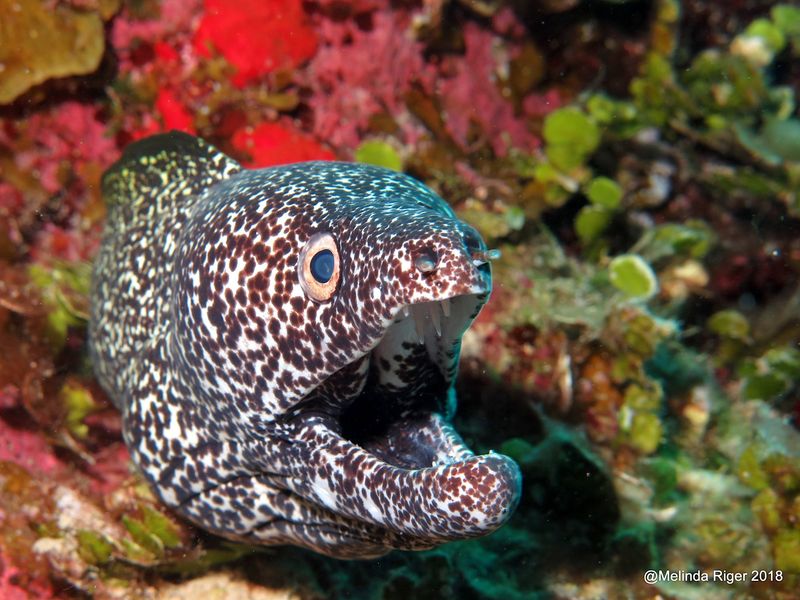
x,y
282,344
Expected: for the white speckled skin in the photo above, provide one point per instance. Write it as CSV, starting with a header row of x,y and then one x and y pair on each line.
x,y
263,414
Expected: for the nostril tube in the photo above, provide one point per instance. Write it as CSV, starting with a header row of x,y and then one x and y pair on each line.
x,y
426,261
480,257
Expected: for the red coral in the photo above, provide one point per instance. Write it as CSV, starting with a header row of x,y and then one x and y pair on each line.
x,y
148,126
165,53
256,36
274,144
173,113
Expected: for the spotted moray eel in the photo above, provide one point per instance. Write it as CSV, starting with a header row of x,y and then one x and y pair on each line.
x,y
282,344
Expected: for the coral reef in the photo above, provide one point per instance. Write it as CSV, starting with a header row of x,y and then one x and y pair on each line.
x,y
637,163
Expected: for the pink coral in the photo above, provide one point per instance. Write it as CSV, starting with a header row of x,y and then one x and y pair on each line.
x,y
65,148
68,243
158,53
10,589
176,17
20,441
471,97
11,199
539,105
358,73
68,134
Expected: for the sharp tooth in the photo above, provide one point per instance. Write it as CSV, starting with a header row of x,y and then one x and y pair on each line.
x,y
436,319
445,304
406,311
419,325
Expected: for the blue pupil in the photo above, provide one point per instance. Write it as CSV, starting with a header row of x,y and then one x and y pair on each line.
x,y
322,266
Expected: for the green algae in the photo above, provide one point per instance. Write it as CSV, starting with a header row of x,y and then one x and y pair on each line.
x,y
380,153
604,192
731,324
631,274
766,506
570,137
591,222
161,527
787,551
645,432
770,376
79,403
64,288
143,537
94,547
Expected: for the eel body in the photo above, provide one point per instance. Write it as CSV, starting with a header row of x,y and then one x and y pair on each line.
x,y
282,344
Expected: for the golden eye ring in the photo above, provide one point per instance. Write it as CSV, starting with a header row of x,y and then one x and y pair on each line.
x,y
318,267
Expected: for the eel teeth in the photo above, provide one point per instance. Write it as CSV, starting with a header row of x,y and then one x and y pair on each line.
x,y
419,325
445,304
428,314
436,317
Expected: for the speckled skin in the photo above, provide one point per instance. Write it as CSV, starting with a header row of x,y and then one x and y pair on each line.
x,y
261,414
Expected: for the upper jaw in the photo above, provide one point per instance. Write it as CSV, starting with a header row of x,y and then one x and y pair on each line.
x,y
443,307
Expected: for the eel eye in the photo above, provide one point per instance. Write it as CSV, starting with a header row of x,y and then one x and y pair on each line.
x,y
322,265
318,267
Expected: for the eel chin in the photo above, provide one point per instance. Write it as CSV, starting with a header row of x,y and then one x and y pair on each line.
x,y
390,458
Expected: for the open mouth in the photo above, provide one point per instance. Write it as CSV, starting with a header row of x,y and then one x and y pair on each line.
x,y
401,413
391,458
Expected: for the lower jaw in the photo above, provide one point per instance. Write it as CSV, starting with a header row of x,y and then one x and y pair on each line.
x,y
420,481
